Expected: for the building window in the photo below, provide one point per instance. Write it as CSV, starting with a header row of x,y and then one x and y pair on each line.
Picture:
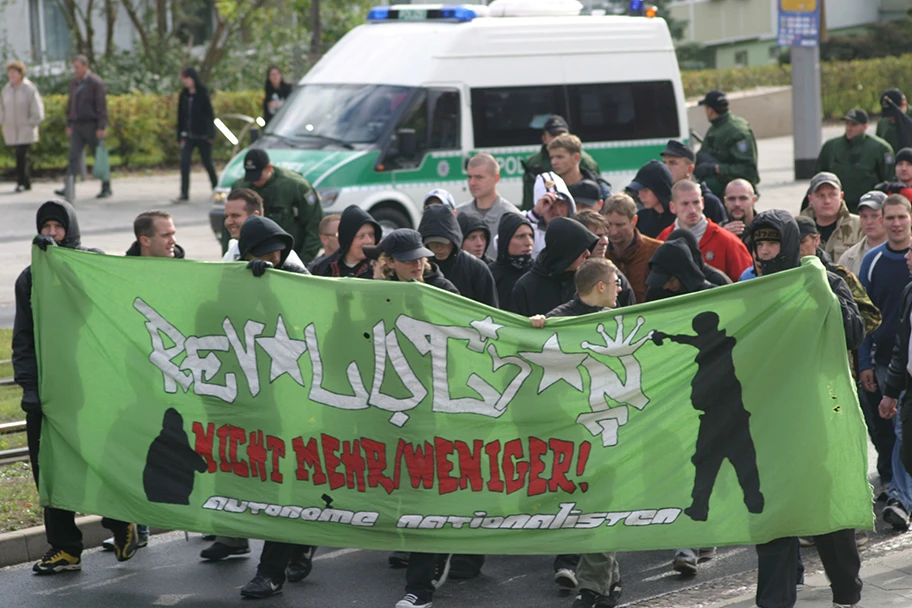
x,y
48,32
774,54
741,59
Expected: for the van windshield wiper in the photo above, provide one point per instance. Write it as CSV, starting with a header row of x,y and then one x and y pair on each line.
x,y
338,142
284,138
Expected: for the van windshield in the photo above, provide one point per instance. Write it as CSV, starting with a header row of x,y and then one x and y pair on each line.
x,y
340,114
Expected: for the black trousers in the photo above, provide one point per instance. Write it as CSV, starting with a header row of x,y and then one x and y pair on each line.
x,y
717,440
23,165
275,558
779,569
419,576
570,562
205,149
883,436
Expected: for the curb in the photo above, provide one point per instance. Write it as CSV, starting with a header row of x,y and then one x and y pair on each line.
x,y
30,545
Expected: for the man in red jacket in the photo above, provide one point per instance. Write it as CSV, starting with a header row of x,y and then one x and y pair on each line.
x,y
721,249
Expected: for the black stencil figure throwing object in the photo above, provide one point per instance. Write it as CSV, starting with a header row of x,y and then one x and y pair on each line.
x,y
725,424
171,463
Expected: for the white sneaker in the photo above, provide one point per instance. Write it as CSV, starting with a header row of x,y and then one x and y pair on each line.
x,y
411,601
565,577
845,605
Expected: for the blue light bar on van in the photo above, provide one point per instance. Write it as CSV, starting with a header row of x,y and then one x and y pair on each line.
x,y
456,13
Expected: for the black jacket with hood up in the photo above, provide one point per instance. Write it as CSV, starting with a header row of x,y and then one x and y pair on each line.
x,y
507,269
135,251
333,265
469,274
790,257
469,223
25,361
258,229
712,275
674,258
548,284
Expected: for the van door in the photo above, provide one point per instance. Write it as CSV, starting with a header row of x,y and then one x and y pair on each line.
x,y
426,147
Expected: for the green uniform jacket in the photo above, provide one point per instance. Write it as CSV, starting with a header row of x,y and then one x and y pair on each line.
x,y
731,142
886,130
541,162
291,202
860,163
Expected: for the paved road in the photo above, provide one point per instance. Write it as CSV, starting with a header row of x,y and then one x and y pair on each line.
x,y
108,224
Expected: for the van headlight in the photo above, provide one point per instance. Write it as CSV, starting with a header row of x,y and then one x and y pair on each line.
x,y
328,196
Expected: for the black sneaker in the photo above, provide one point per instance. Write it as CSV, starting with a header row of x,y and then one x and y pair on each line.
x,y
565,577
612,600
441,570
585,599
218,551
260,587
56,560
61,192
685,562
895,515
412,601
300,566
399,559
126,542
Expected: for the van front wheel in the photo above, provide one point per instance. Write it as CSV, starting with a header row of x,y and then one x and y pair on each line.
x,y
390,218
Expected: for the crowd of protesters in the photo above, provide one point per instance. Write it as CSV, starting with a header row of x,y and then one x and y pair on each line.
x,y
575,249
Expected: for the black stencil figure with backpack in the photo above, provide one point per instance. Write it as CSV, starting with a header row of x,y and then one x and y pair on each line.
x,y
171,463
724,424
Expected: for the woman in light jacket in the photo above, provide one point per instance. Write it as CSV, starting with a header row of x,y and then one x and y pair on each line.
x,y
21,111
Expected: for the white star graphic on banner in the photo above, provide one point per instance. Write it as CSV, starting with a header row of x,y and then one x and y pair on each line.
x,y
487,328
557,365
285,353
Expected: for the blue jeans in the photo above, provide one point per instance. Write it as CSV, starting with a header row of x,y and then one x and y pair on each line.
x,y
901,484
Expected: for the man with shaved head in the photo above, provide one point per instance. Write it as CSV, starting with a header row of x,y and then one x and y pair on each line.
x,y
739,200
484,173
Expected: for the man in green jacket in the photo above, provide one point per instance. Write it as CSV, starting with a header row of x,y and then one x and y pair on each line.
x,y
729,149
860,160
886,126
288,199
540,162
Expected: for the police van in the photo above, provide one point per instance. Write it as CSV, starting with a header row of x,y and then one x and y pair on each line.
x,y
399,104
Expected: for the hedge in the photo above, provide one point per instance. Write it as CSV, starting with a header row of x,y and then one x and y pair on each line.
x,y
142,130
844,84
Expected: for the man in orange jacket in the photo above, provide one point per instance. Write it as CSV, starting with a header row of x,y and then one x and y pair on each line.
x,y
720,248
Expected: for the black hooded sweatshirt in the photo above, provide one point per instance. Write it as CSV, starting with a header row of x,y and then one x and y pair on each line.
x,y
433,276
25,362
469,274
674,258
333,265
195,116
134,251
258,229
548,284
713,275
469,223
507,269
790,257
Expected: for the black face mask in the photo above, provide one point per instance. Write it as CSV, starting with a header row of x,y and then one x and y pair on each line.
x,y
520,262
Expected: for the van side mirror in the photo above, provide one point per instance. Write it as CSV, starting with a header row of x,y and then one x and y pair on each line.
x,y
408,143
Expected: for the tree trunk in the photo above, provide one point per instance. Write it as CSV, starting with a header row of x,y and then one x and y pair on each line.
x,y
316,33
110,10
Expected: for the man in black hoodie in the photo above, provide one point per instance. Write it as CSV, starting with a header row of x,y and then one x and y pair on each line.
x,y
549,283
652,186
515,242
672,272
155,234
441,234
57,226
357,230
476,236
776,243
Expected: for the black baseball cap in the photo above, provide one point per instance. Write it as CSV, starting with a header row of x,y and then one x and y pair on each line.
x,y
677,149
555,125
254,162
857,115
806,226
586,192
895,95
403,244
715,99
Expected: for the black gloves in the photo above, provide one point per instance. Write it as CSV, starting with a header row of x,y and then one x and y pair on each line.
x,y
43,241
258,267
704,170
30,401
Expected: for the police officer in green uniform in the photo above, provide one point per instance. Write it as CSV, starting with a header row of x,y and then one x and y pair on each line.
x,y
540,162
860,160
886,126
729,150
288,199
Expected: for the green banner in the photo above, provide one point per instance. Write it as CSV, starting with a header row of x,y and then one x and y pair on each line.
x,y
382,415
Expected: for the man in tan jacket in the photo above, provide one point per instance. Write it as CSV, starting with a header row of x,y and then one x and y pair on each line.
x,y
839,229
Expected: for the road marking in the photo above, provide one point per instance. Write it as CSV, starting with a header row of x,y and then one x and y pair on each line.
x,y
86,584
171,599
338,553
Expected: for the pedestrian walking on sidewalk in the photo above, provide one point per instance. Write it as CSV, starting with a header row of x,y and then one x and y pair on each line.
x,y
195,129
21,111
